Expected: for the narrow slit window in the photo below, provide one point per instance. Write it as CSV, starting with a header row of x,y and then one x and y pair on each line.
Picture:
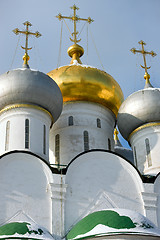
x,y
70,121
148,152
109,144
86,140
44,139
98,123
7,136
27,133
135,157
57,149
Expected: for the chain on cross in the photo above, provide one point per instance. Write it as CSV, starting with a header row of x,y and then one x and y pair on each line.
x,y
75,19
143,52
27,33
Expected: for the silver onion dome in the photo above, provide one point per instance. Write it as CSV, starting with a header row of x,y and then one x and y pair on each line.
x,y
139,108
26,86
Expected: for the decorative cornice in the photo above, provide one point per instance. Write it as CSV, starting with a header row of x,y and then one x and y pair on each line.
x,y
152,124
58,191
14,106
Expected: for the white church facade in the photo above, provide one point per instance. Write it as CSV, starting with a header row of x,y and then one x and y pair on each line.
x,y
63,173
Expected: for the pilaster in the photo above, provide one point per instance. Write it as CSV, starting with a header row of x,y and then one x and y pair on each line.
x,y
58,196
150,202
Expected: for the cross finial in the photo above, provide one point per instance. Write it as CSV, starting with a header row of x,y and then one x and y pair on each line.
x,y
75,19
116,134
26,48
143,52
116,139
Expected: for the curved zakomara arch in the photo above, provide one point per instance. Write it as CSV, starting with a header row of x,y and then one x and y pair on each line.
x,y
47,168
143,178
156,176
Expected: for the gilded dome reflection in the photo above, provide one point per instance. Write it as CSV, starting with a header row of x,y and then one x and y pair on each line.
x,y
84,83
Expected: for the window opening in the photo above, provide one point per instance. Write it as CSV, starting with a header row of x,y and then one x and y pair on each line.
x,y
44,139
109,144
70,121
135,157
27,133
98,123
149,160
86,140
57,149
7,136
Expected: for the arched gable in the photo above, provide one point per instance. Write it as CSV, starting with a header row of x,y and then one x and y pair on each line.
x,y
24,185
97,180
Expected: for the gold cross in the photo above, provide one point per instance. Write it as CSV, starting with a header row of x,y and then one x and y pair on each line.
x,y
143,52
116,134
27,33
75,19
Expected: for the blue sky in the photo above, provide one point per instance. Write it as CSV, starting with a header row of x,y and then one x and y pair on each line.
x,y
118,26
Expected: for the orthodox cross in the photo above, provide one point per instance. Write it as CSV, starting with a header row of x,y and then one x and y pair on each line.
x,y
143,52
27,33
116,134
75,19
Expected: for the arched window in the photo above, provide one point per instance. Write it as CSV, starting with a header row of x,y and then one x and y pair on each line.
x,y
148,152
86,140
135,157
70,121
44,139
109,144
57,149
7,136
98,123
27,133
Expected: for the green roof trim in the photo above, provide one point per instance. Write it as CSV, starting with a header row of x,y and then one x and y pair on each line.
x,y
108,218
20,228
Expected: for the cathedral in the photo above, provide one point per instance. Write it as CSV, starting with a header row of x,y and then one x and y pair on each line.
x,y
66,175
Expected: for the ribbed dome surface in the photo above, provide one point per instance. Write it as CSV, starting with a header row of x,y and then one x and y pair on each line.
x,y
26,86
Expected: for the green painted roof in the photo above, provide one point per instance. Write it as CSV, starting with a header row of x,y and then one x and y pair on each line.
x,y
108,218
111,221
23,230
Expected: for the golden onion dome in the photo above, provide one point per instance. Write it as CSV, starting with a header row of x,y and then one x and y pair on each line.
x,y
79,82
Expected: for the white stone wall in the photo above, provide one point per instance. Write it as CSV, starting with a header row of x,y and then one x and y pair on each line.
x,y
100,180
137,141
157,199
150,196
58,189
94,181
25,185
84,119
16,134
